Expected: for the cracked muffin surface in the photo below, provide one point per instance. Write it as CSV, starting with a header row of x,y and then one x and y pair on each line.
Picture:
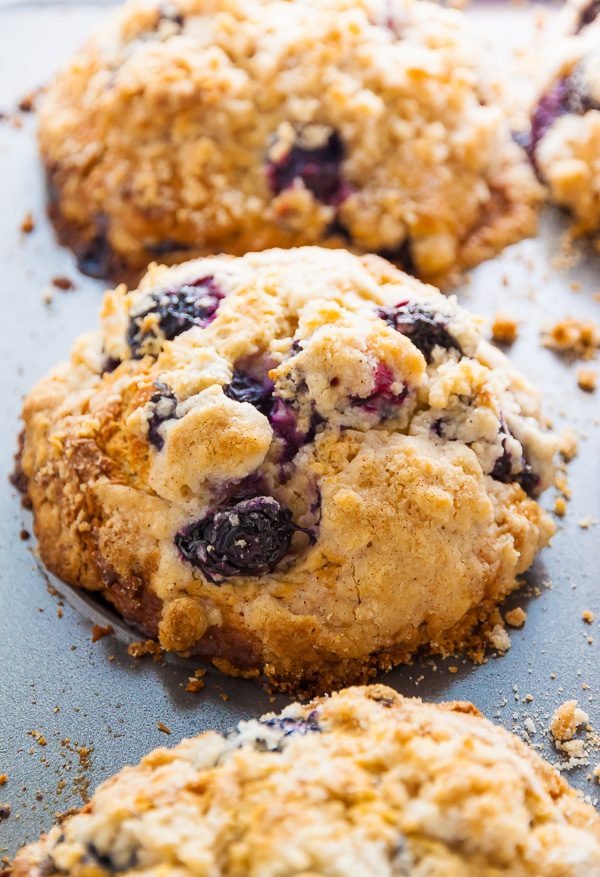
x,y
298,464
363,783
564,141
196,127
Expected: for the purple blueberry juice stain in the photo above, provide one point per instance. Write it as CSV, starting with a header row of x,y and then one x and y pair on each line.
x,y
382,400
164,405
179,309
319,169
421,326
249,537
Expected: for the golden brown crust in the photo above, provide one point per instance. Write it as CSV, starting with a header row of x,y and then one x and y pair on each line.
x,y
413,538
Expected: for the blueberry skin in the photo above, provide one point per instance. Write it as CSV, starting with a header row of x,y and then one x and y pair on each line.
x,y
420,325
168,403
566,96
245,388
502,471
192,304
319,169
247,538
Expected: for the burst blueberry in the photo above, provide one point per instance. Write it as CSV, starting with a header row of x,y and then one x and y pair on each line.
x,y
319,169
248,538
421,326
245,388
191,304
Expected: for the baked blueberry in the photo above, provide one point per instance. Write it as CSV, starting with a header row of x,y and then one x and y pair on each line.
x,y
248,538
421,326
177,310
246,388
163,405
504,465
318,168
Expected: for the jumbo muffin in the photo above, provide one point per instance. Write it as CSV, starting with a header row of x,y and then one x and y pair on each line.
x,y
565,124
299,464
202,127
363,784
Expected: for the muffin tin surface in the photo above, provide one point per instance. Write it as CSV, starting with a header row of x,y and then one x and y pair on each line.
x,y
109,710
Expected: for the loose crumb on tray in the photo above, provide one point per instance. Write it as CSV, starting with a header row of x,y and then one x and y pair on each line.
x,y
98,631
566,719
586,379
504,328
516,617
28,224
578,337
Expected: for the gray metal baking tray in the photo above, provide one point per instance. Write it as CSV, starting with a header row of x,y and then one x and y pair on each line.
x,y
73,712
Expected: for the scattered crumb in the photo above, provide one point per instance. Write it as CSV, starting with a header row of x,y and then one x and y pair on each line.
x,y
560,507
28,224
63,282
225,697
567,443
516,617
585,523
47,295
24,535
499,638
26,105
3,778
577,337
504,328
98,631
163,728
196,682
586,379
566,719
453,669
145,647
588,616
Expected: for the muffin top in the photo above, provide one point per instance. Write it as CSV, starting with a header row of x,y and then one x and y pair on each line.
x,y
295,441
365,782
199,127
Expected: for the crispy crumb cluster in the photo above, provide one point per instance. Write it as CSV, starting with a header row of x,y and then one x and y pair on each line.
x,y
237,126
299,464
365,782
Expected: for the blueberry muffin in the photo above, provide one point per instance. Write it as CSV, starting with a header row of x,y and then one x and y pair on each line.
x,y
363,784
565,124
299,464
203,127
